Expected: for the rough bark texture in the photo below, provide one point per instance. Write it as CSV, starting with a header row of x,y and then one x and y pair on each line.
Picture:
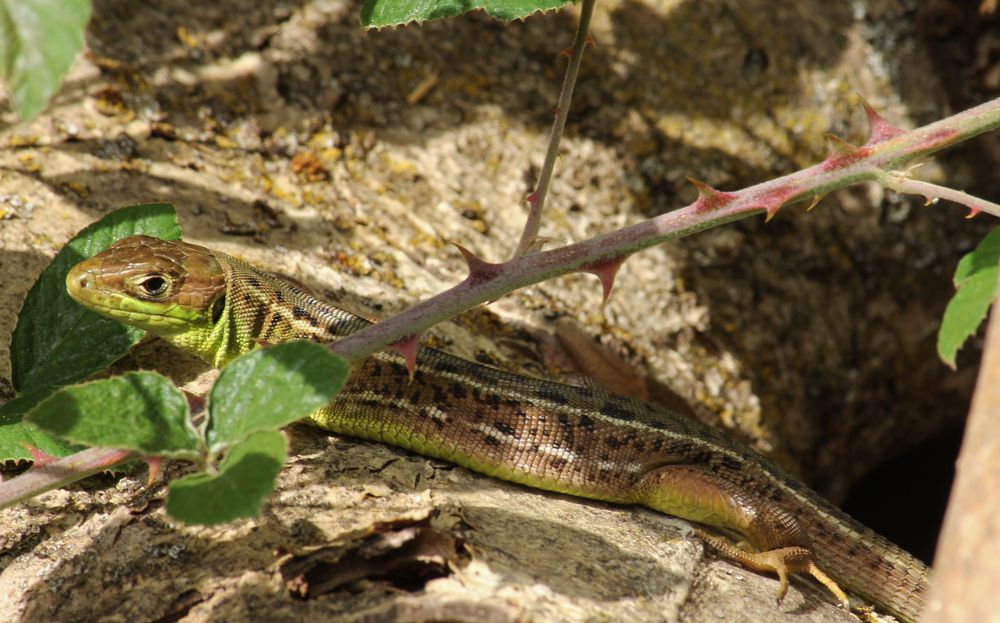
x,y
283,134
968,562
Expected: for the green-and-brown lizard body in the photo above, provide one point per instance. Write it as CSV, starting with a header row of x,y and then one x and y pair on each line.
x,y
577,440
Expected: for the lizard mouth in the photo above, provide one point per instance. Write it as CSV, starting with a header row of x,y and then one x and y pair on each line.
x,y
78,282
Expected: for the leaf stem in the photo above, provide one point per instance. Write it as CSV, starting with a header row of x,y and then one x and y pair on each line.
x,y
536,200
933,192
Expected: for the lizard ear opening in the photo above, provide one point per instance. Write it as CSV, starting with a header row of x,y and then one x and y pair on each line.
x,y
217,308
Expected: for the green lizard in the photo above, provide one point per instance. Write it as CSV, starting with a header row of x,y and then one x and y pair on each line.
x,y
577,440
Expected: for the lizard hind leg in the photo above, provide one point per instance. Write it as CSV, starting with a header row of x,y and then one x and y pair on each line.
x,y
694,493
781,561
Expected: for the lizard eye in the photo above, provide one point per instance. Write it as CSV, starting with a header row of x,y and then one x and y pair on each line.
x,y
153,285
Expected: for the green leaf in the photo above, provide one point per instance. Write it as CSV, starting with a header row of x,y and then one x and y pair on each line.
x,y
269,388
15,436
246,476
140,411
378,13
38,41
985,256
57,341
976,283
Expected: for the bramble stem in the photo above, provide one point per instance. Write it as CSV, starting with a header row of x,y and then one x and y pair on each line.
x,y
841,169
58,473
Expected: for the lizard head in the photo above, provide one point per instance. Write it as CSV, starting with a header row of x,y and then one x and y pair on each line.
x,y
165,287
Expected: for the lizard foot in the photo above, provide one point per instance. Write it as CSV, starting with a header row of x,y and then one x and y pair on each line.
x,y
782,561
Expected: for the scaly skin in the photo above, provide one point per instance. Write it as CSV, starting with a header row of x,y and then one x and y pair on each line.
x,y
577,440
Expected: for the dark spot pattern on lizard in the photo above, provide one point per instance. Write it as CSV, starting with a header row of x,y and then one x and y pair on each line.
x,y
428,414
276,320
446,366
301,313
616,412
569,433
552,395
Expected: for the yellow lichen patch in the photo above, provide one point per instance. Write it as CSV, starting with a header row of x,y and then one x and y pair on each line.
x,y
312,198
225,142
28,161
187,38
421,238
22,140
401,167
356,263
79,188
109,102
331,154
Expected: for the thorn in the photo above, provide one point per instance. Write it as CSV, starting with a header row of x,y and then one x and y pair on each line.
x,y
840,147
973,212
532,200
590,39
606,270
842,153
537,243
39,457
704,189
555,111
155,463
568,53
878,128
407,347
929,201
479,269
815,201
710,197
771,200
